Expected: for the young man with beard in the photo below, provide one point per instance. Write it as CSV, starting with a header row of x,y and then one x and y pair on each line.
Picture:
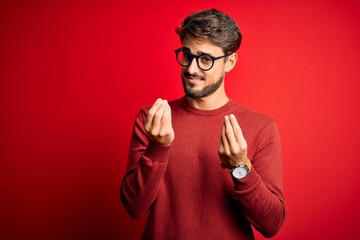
x,y
202,166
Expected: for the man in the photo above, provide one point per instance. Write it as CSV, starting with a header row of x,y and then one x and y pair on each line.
x,y
202,166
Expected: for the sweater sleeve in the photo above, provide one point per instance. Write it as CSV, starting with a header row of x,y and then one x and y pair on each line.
x,y
260,193
147,162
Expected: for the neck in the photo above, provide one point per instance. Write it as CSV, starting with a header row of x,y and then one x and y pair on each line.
x,y
210,102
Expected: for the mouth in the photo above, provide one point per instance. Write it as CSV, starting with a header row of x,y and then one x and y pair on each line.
x,y
193,78
193,81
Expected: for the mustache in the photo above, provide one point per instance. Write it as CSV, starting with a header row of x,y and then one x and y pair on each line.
x,y
196,76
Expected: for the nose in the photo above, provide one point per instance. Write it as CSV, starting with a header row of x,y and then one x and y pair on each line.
x,y
193,67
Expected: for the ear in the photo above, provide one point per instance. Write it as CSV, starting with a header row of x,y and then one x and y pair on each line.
x,y
231,62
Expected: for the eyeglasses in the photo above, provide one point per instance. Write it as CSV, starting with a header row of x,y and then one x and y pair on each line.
x,y
204,61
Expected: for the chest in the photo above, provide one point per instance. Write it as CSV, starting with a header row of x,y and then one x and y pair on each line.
x,y
194,152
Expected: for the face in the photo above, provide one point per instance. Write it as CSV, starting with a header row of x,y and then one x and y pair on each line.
x,y
198,83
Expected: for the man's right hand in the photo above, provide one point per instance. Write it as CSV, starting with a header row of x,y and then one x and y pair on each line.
x,y
158,123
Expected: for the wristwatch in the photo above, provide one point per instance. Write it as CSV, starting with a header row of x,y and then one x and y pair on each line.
x,y
240,171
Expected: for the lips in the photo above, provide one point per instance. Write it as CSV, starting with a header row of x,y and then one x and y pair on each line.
x,y
193,79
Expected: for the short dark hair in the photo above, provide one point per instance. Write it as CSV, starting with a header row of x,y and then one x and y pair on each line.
x,y
214,26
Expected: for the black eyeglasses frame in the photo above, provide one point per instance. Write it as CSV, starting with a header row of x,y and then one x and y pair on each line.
x,y
192,56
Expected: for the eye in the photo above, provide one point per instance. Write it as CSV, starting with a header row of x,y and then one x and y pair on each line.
x,y
205,59
187,55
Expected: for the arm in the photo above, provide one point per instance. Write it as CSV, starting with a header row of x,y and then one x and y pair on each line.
x,y
260,193
148,154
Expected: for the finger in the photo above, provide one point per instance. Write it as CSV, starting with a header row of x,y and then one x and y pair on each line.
x,y
239,137
236,128
158,115
154,107
151,113
166,117
165,121
230,136
224,144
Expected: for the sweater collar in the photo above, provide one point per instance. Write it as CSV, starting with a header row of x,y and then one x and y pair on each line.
x,y
186,105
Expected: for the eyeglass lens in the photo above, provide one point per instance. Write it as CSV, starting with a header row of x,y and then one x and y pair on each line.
x,y
203,61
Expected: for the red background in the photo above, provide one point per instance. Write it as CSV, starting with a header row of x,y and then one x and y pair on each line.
x,y
74,74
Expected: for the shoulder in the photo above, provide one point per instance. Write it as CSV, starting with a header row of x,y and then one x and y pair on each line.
x,y
247,114
252,121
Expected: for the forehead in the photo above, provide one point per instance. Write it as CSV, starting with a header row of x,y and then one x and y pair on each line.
x,y
198,46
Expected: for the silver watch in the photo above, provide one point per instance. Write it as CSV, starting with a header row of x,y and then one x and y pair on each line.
x,y
240,171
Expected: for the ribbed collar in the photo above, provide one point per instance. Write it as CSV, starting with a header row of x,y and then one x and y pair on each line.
x,y
186,105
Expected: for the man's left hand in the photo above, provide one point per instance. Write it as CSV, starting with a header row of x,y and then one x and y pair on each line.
x,y
233,146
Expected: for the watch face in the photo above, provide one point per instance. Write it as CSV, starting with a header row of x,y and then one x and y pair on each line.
x,y
239,172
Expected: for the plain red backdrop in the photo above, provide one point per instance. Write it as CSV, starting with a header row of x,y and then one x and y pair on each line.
x,y
73,75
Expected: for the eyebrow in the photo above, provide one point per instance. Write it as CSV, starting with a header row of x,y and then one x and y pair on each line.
x,y
198,53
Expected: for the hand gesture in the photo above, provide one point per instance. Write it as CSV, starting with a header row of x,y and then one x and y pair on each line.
x,y
233,146
158,123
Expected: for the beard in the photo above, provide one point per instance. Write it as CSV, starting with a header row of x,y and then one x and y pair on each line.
x,y
204,92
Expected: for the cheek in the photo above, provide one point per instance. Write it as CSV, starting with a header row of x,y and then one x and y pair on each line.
x,y
208,77
213,75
